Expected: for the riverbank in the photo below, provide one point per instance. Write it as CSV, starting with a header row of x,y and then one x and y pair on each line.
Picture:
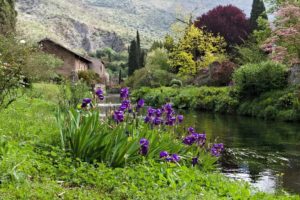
x,y
281,105
34,167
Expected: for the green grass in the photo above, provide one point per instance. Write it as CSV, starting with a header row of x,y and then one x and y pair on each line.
x,y
33,166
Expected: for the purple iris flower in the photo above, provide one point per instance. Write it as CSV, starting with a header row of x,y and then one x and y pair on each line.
x,y
125,105
157,121
163,154
201,139
119,116
175,157
189,140
158,113
217,149
86,102
99,94
151,111
144,146
191,130
144,142
147,119
124,93
194,161
140,103
180,118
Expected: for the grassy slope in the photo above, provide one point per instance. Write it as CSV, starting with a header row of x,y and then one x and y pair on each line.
x,y
32,168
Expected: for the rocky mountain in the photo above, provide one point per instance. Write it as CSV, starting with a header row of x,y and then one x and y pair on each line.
x,y
86,25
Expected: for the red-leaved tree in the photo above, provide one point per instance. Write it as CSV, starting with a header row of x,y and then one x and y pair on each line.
x,y
228,21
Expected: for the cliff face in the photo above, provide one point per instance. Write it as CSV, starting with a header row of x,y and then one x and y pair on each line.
x,y
38,19
87,25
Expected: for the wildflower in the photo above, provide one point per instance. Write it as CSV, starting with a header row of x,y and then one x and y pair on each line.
x,y
189,140
163,154
125,105
158,113
191,130
151,111
201,139
119,116
194,161
217,149
99,94
86,102
147,119
124,93
157,121
144,146
175,158
140,103
180,118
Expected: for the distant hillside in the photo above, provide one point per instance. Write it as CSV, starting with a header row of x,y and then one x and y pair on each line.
x,y
86,25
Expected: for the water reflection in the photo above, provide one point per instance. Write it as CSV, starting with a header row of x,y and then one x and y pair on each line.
x,y
267,154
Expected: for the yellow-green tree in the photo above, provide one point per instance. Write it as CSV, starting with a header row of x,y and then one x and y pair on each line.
x,y
195,50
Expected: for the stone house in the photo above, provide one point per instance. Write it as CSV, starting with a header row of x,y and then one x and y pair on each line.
x,y
73,62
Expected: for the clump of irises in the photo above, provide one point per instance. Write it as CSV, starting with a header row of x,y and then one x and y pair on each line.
x,y
126,106
199,139
163,116
217,149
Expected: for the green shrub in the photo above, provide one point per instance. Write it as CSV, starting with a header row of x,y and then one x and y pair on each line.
x,y
89,77
223,100
255,79
176,83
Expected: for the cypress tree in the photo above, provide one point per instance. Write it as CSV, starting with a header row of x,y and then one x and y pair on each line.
x,y
258,10
139,51
120,76
132,58
8,16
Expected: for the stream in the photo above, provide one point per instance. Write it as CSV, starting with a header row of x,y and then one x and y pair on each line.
x,y
263,153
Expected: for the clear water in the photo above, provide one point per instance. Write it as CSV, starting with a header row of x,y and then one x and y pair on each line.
x,y
264,153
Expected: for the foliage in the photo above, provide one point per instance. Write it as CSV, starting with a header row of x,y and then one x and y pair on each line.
x,y
34,167
136,58
258,10
156,45
8,17
20,64
176,83
150,77
255,79
197,49
284,44
89,77
250,52
41,66
222,100
228,21
71,94
115,145
155,73
280,104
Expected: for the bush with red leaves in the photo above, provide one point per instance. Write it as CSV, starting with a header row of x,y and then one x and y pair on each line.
x,y
228,21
